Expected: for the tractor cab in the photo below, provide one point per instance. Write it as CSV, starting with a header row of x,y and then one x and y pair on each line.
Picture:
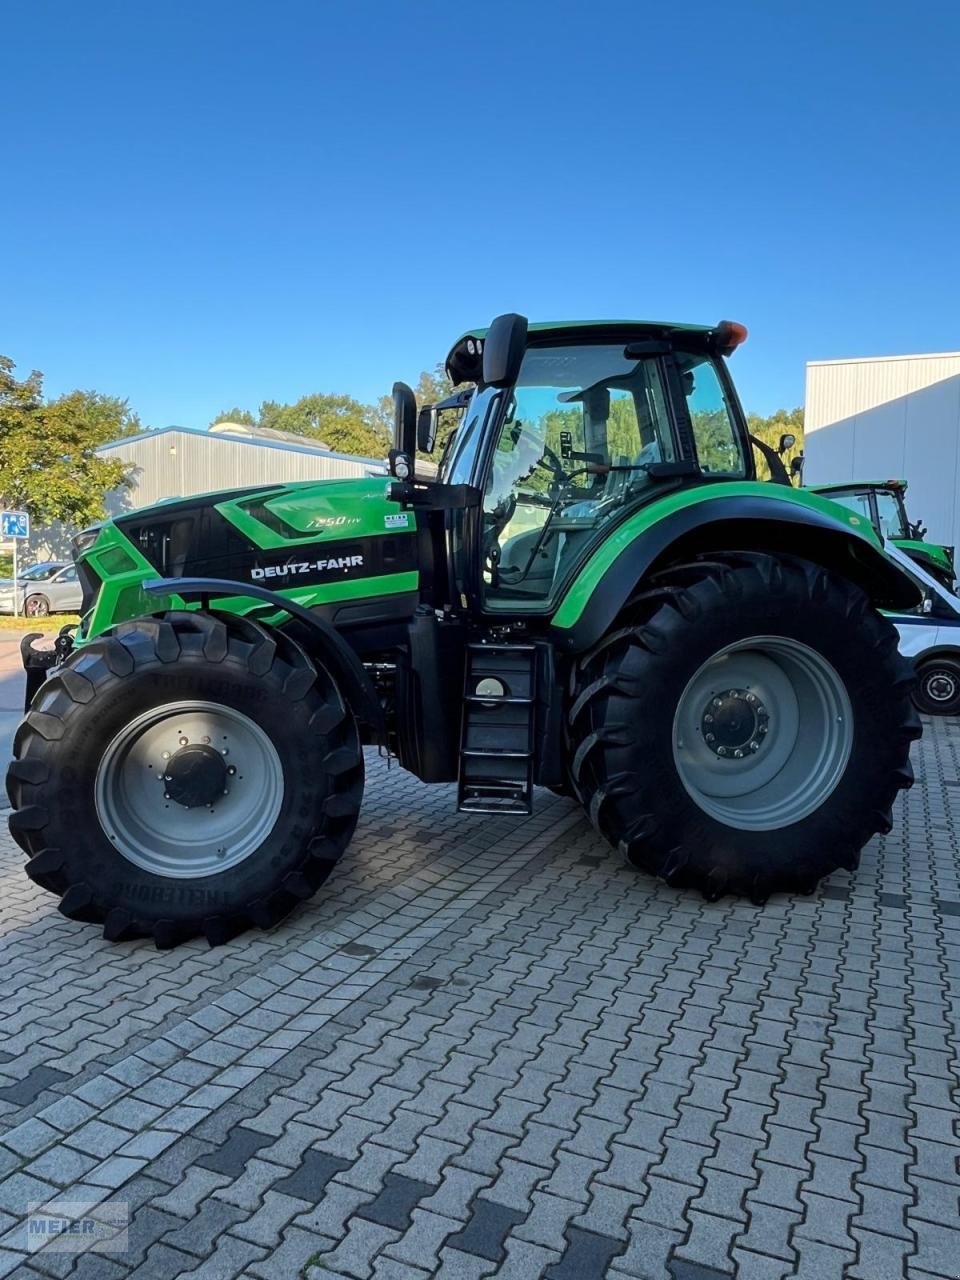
x,y
882,504
568,429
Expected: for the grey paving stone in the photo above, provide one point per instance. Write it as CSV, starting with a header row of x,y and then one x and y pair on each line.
x,y
232,1156
309,1180
32,1085
204,1229
397,1200
486,1230
586,1254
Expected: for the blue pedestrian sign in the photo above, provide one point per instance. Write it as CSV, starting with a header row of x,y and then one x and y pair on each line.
x,y
14,524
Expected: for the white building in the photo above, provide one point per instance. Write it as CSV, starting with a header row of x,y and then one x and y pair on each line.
x,y
889,417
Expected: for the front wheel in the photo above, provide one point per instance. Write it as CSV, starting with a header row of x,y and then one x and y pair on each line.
x,y
746,729
938,687
36,607
183,775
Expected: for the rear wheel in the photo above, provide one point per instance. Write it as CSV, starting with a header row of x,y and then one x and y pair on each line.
x,y
746,729
938,687
190,774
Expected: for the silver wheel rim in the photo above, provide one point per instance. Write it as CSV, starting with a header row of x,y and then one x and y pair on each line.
x,y
781,729
139,782
34,608
941,687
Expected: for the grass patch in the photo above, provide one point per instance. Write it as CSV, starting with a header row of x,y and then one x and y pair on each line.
x,y
49,625
6,566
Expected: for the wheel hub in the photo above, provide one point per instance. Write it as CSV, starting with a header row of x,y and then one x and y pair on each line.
x,y
161,784
941,687
734,724
195,776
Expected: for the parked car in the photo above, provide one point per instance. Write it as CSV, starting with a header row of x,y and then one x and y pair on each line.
x,y
930,637
51,587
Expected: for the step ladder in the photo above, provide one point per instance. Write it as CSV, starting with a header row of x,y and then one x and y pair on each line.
x,y
496,740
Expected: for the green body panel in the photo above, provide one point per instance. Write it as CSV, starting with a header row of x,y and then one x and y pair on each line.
x,y
577,598
300,513
312,510
934,551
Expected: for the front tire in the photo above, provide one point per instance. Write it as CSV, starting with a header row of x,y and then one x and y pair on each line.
x,y
938,687
182,775
36,607
746,729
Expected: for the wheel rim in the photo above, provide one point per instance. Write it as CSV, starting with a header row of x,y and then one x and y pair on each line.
x,y
35,608
189,789
940,687
780,729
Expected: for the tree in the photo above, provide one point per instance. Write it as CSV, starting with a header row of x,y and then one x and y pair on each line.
x,y
48,460
243,416
337,421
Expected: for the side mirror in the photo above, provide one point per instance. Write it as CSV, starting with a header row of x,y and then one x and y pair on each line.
x,y
503,350
427,428
404,417
404,432
786,442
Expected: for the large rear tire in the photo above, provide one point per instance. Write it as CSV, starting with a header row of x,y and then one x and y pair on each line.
x,y
182,775
746,728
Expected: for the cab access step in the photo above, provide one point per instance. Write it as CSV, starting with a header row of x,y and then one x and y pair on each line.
x,y
496,744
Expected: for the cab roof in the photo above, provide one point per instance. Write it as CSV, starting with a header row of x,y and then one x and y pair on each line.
x,y
462,362
838,486
546,326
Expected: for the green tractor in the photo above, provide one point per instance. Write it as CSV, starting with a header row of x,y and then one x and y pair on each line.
x,y
882,503
593,595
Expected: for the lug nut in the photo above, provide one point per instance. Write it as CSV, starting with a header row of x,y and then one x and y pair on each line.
x,y
184,741
708,718
721,751
711,737
164,755
231,769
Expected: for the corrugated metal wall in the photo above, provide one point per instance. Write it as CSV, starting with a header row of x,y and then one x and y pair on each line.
x,y
890,417
181,463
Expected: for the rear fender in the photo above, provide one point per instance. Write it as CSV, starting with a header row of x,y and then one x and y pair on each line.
x,y
736,523
325,643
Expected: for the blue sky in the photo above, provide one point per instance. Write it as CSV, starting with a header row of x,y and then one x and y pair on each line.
x,y
208,204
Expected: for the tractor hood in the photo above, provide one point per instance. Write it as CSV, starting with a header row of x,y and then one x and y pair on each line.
x,y
321,541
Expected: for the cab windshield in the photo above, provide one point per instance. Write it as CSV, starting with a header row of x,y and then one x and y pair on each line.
x,y
890,514
582,428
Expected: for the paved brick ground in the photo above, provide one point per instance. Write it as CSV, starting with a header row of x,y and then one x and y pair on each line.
x,y
488,1048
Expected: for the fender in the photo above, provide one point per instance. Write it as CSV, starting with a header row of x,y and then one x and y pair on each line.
x,y
798,527
341,661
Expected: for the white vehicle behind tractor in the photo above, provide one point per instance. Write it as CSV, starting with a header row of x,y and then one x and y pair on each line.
x,y
930,638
